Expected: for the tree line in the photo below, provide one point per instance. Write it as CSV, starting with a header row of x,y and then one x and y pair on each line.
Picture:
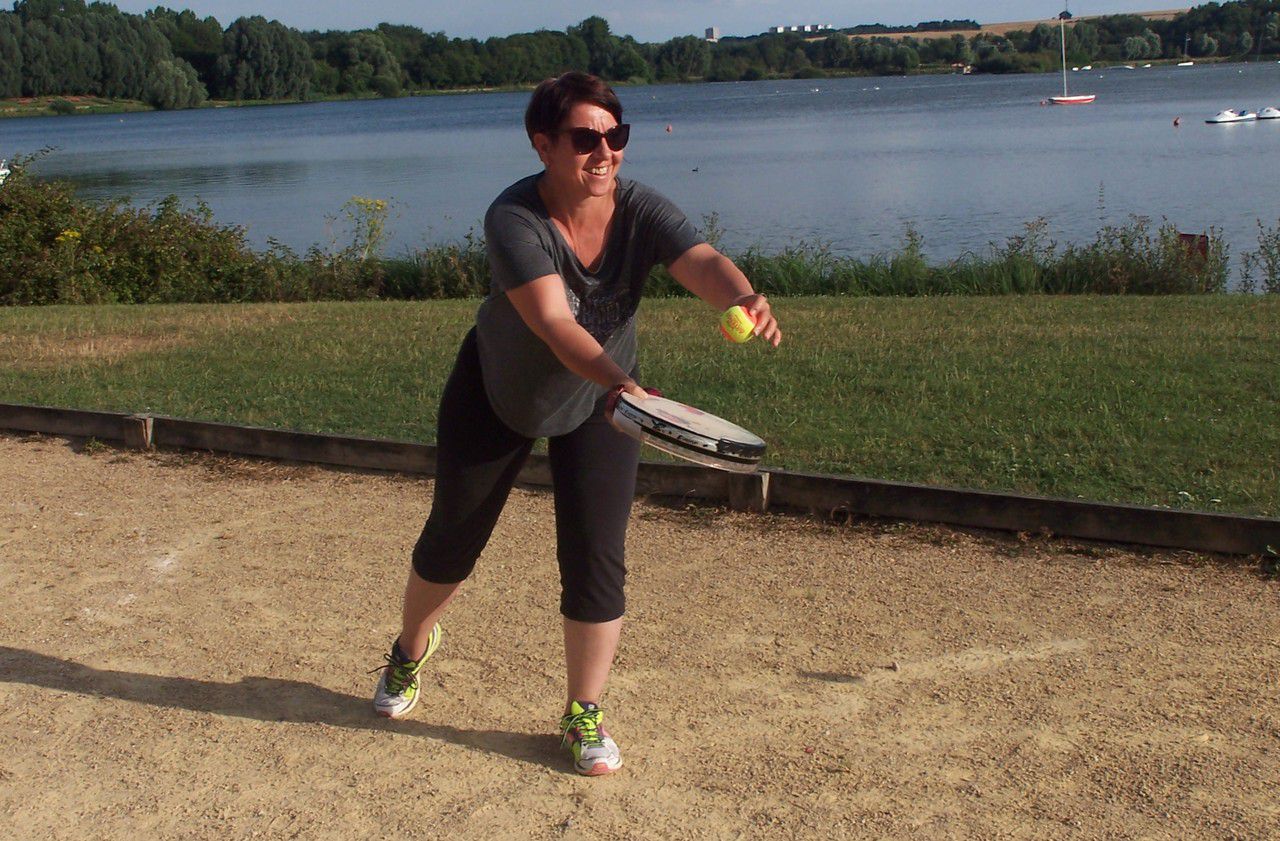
x,y
175,59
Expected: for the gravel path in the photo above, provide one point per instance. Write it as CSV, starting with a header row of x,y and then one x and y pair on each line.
x,y
185,640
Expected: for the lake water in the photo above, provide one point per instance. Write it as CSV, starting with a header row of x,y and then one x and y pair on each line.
x,y
966,160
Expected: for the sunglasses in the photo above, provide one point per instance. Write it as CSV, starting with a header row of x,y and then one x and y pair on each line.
x,y
586,140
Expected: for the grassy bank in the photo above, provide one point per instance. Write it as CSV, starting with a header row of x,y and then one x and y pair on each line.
x,y
1165,401
54,106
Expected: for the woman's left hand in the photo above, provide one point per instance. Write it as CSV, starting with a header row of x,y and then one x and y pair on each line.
x,y
766,325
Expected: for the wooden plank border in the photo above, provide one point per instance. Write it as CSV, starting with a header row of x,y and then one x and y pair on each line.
x,y
288,445
777,489
1117,523
104,426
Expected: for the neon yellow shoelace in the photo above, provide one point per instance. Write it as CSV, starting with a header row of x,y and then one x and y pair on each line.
x,y
587,723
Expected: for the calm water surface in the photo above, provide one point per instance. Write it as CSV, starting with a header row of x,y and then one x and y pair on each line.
x,y
852,162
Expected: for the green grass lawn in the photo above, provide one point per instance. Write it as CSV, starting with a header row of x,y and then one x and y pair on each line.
x,y
1153,400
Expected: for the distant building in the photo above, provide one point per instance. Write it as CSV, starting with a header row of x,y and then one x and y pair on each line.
x,y
713,34
803,29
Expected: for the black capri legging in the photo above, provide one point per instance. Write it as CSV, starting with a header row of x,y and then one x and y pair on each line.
x,y
478,457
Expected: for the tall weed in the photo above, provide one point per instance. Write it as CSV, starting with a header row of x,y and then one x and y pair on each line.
x,y
1263,265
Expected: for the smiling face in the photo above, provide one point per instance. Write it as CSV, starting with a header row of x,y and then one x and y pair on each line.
x,y
573,176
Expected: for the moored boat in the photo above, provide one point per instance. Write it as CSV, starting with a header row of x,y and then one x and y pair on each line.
x,y
1269,113
1230,116
1066,98
1078,99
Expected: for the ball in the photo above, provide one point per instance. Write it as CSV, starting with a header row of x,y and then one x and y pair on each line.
x,y
736,324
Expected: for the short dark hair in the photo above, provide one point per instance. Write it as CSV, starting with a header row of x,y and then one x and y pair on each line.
x,y
554,98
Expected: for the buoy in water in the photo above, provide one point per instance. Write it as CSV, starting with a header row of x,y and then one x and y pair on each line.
x,y
668,128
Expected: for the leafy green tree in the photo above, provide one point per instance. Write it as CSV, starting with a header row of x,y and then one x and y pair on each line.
x,y
195,40
174,84
360,58
628,64
1135,47
1154,46
944,50
84,70
30,10
600,42
10,55
37,69
875,56
1084,40
682,59
1043,37
835,52
262,60
905,58
1204,45
730,67
772,51
386,85
461,64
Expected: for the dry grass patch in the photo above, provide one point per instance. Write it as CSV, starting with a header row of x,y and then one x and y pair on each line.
x,y
68,336
1012,26
35,351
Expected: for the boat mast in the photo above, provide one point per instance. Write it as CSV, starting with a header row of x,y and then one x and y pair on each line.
x,y
1061,22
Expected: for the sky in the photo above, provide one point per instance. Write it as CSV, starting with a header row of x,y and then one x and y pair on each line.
x,y
645,20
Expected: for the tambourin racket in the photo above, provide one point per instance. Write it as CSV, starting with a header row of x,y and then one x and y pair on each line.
x,y
688,433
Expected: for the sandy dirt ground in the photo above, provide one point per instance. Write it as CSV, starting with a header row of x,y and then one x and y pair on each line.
x,y
185,644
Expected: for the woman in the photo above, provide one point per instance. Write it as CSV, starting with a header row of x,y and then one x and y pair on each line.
x,y
569,251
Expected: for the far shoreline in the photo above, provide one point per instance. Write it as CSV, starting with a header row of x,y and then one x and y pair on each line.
x,y
81,105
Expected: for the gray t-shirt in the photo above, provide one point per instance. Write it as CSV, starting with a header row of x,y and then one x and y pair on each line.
x,y
529,388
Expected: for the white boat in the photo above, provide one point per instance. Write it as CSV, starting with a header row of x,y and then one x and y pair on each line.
x,y
1230,116
1066,98
1186,64
4,170
1269,113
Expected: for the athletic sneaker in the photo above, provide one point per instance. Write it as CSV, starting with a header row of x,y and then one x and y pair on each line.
x,y
397,693
594,753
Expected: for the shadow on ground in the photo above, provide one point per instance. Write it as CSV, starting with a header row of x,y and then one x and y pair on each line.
x,y
262,699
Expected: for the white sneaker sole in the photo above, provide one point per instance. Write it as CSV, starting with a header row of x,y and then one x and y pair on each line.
x,y
394,714
599,769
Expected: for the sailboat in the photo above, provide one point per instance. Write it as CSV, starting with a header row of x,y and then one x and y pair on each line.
x,y
1186,53
1066,98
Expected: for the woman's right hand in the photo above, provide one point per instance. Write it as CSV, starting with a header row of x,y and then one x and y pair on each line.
x,y
628,387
